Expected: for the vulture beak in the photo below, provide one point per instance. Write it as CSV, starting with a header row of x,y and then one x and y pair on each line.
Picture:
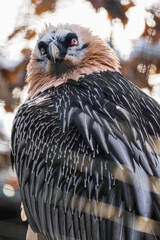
x,y
53,52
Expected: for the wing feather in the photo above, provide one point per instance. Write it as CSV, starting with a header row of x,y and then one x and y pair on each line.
x,y
87,159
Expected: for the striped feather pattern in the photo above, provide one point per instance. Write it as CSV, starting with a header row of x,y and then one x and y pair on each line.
x,y
87,158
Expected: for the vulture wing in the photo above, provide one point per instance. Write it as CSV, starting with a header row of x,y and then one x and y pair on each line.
x,y
87,158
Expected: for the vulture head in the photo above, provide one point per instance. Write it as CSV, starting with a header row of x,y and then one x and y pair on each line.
x,y
67,52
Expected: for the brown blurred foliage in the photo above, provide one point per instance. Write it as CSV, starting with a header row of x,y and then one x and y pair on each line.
x,y
141,66
137,68
30,34
16,31
153,31
44,5
114,8
146,59
11,78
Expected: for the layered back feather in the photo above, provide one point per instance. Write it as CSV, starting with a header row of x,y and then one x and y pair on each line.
x,y
87,158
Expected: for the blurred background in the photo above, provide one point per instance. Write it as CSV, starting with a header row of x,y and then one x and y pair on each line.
x,y
131,27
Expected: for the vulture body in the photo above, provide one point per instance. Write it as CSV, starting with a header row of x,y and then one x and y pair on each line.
x,y
86,147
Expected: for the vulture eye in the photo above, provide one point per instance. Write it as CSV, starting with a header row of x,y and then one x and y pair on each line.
x,y
42,51
74,42
42,47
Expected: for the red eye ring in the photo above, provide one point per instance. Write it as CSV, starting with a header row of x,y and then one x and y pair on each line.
x,y
74,42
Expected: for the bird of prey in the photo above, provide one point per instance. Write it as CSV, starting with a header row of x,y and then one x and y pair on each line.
x,y
86,143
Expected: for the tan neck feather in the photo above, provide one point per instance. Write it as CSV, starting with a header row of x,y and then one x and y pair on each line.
x,y
99,57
